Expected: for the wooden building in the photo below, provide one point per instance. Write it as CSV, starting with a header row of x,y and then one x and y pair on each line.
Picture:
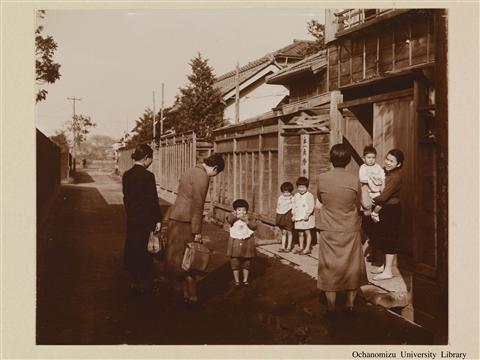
x,y
255,96
388,69
290,141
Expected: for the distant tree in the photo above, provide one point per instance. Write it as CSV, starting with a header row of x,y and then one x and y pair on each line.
x,y
97,147
199,106
79,128
46,70
60,139
143,130
317,30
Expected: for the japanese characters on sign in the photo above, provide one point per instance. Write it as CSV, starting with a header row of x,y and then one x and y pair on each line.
x,y
304,150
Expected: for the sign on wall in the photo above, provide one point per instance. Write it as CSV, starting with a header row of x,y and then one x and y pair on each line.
x,y
304,151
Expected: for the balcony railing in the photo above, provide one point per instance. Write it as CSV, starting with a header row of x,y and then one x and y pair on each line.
x,y
349,18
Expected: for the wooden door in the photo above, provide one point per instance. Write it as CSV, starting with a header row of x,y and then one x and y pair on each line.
x,y
393,127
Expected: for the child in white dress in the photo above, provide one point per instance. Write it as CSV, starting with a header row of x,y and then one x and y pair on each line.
x,y
372,178
303,206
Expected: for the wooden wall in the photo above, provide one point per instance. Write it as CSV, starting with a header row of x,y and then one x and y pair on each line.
x,y
307,86
258,161
402,42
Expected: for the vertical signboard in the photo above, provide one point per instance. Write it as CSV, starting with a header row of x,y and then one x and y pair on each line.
x,y
304,150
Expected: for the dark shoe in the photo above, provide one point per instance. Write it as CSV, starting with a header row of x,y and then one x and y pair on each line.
x,y
196,305
246,284
330,315
348,311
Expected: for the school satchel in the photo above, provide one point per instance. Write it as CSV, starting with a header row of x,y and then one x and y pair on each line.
x,y
196,257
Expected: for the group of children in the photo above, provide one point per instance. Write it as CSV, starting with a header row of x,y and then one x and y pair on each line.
x,y
295,211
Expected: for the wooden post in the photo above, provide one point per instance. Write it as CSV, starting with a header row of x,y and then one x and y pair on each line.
x,y
393,49
410,44
261,169
235,169
335,118
364,60
280,154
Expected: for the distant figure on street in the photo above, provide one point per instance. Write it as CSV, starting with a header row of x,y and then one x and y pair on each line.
x,y
388,213
241,243
84,163
303,215
341,265
283,217
143,216
185,221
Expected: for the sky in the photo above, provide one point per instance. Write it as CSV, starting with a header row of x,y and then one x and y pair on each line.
x,y
114,59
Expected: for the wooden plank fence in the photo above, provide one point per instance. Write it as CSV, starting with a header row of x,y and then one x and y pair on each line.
x,y
172,156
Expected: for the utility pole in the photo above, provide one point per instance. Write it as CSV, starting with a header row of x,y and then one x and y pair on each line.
x,y
237,94
74,131
153,92
161,111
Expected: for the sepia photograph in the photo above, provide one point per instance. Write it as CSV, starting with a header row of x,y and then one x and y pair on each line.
x,y
221,177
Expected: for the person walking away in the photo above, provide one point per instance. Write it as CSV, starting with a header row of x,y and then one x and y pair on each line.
x,y
185,221
241,243
303,206
341,266
387,213
142,208
284,216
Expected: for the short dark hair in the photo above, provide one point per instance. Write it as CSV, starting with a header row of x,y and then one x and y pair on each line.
x,y
398,155
240,203
215,160
142,151
302,180
340,156
286,186
369,149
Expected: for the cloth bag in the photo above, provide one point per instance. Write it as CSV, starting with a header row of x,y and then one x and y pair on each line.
x,y
153,246
196,257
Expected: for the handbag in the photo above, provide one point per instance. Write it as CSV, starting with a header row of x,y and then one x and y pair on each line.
x,y
153,246
196,257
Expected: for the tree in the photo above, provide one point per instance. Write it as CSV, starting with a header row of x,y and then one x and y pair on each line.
x,y
317,30
60,139
143,130
46,70
79,128
199,106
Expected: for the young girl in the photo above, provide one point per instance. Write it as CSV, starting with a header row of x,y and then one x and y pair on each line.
x,y
302,214
241,243
284,216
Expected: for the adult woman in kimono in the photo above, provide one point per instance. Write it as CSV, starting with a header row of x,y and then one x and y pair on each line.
x,y
143,216
185,220
341,264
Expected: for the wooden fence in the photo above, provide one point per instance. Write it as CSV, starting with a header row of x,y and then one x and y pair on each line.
x,y
48,169
261,155
172,156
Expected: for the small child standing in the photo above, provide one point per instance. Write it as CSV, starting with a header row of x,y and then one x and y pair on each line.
x,y
241,243
284,216
372,178
303,215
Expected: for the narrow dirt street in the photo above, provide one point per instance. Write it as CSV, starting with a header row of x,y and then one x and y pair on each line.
x,y
83,296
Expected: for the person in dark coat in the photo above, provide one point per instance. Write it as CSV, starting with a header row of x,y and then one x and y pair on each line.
x,y
185,221
142,208
341,265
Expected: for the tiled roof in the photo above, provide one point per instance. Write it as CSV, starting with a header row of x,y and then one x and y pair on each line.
x,y
226,82
310,64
